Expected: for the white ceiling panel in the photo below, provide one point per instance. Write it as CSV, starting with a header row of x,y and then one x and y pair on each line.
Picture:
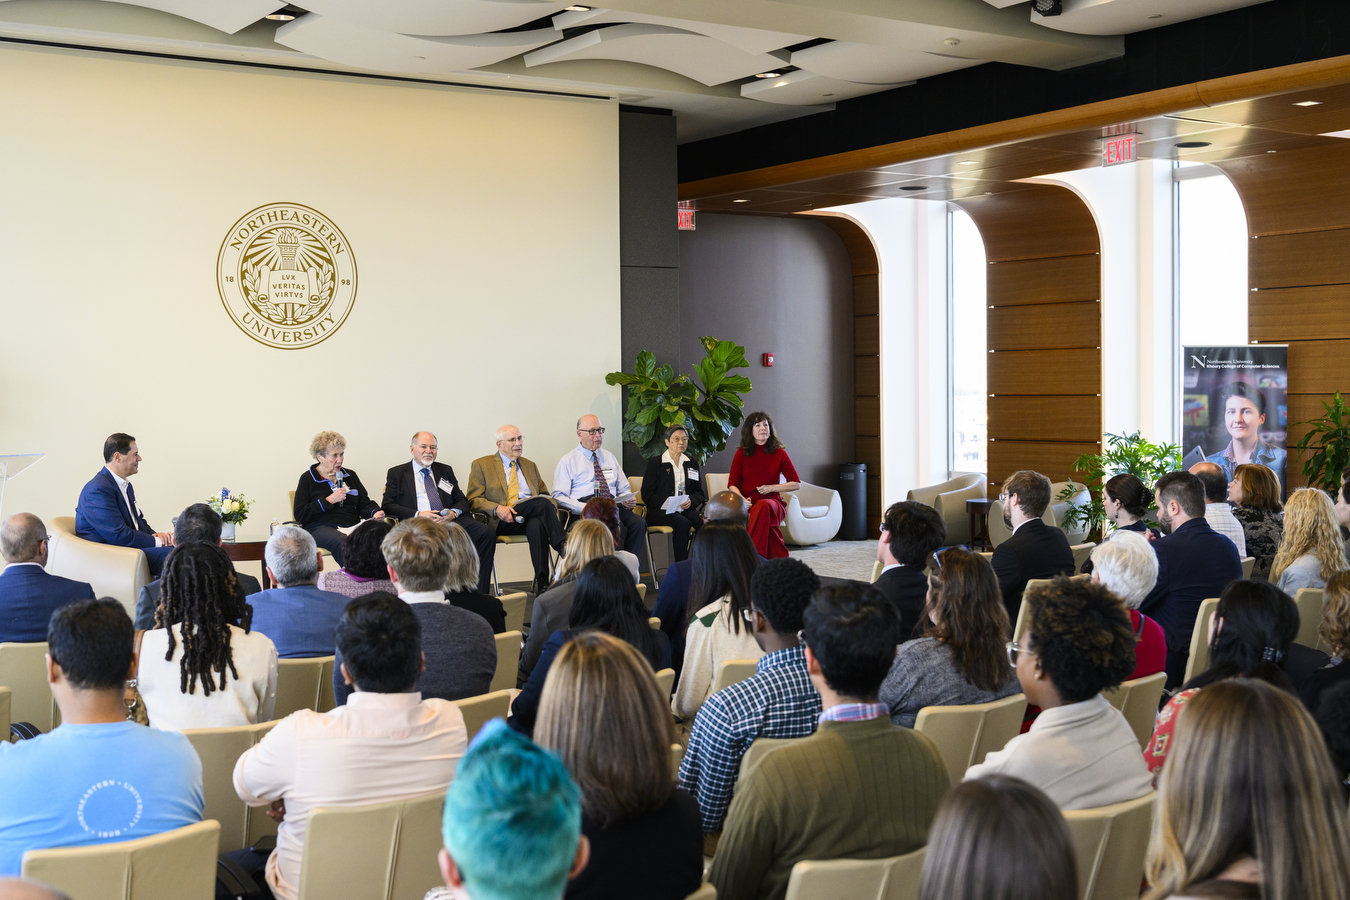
x,y
871,64
434,16
224,15
803,88
1128,16
751,40
384,51
704,59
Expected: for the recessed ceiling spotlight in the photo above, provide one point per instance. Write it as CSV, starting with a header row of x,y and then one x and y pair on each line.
x,y
1156,16
1192,145
952,42
769,75
830,94
1309,103
740,201
280,16
913,187
577,8
1272,151
969,162
808,205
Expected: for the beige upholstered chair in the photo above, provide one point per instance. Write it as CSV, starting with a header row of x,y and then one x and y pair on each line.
x,y
117,572
300,684
508,660
676,757
1058,508
705,892
966,734
175,865
653,623
891,878
1138,701
1081,552
1109,844
290,505
327,700
1023,611
949,499
480,710
23,669
665,680
384,851
730,671
4,713
715,483
642,594
1309,602
876,571
814,514
219,749
516,606
1248,563
1199,658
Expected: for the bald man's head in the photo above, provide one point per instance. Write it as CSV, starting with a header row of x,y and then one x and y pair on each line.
x,y
1214,479
21,539
725,506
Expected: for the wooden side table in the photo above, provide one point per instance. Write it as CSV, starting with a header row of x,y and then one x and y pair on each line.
x,y
248,548
979,523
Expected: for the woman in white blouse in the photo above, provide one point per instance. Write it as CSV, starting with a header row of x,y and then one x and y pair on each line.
x,y
673,476
201,667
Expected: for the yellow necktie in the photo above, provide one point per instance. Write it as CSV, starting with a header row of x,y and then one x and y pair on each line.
x,y
513,488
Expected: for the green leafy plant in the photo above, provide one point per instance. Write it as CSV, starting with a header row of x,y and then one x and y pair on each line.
x,y
1125,454
709,408
1328,436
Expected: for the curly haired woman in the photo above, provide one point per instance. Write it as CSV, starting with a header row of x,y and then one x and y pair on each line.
x,y
1312,550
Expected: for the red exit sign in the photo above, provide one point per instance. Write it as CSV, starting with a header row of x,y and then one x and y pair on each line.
x,y
1120,148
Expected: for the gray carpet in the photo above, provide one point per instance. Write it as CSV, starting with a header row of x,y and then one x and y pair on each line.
x,y
839,559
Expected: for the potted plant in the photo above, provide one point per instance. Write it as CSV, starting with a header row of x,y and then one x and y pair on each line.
x,y
233,509
1328,436
709,408
1125,454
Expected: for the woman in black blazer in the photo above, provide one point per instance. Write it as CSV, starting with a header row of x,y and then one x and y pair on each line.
x,y
658,485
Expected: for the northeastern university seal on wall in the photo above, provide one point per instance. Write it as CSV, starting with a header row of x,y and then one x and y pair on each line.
x,y
286,276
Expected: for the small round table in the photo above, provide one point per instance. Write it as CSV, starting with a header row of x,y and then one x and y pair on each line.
x,y
979,523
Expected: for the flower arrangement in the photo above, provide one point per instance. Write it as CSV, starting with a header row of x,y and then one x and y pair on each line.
x,y
233,508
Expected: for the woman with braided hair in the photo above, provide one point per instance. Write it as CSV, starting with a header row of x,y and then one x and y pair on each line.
x,y
201,667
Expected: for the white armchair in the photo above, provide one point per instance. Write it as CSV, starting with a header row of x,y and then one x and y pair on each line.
x,y
1080,497
814,514
117,572
949,499
998,529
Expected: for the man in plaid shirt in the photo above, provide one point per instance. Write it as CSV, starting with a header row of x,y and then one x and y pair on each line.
x,y
778,701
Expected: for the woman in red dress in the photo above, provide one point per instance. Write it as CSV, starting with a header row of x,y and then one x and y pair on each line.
x,y
756,470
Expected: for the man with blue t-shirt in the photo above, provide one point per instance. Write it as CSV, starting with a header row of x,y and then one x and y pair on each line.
x,y
97,778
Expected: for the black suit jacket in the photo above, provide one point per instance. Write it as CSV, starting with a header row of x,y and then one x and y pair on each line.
x,y
1195,563
28,597
658,484
1036,550
148,601
400,491
907,589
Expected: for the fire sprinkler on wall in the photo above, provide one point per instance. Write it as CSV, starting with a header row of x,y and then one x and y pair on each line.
x,y
768,360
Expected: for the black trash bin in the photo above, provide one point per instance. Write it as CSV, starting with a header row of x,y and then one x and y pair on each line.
x,y
853,493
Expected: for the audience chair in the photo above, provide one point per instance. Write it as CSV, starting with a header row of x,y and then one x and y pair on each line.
x,y
889,878
964,735
219,749
676,757
949,499
516,606
876,572
758,749
384,851
117,572
1199,658
508,660
665,680
1248,563
1081,552
327,699
480,710
23,669
730,671
4,711
175,865
705,892
635,482
1059,509
814,514
300,684
1023,611
642,595
1138,701
715,483
653,623
1309,602
1109,843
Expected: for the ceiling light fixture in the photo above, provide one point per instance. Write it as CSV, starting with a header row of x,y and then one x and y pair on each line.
x,y
576,8
1192,145
769,75
1309,103
1156,16
969,162
913,187
280,16
740,201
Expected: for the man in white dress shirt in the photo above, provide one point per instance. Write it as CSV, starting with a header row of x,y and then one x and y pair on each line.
x,y
1218,513
592,471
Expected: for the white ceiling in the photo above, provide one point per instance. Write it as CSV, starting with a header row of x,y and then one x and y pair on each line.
x,y
702,65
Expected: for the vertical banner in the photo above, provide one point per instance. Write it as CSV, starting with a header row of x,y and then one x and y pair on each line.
x,y
1233,406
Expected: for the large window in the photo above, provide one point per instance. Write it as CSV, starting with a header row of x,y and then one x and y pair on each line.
x,y
969,356
1211,259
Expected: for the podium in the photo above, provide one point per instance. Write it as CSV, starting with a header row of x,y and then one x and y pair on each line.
x,y
11,466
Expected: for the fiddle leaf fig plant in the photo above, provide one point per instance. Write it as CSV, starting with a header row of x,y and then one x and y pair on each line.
x,y
709,407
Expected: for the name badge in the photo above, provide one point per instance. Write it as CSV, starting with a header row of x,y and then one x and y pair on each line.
x,y
608,473
691,473
445,485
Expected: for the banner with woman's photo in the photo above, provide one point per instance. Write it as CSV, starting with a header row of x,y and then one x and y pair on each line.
x,y
1234,408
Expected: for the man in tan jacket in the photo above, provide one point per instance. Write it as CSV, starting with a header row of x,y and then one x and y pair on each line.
x,y
507,491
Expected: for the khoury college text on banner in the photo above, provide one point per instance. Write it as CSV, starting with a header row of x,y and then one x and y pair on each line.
x,y
1234,408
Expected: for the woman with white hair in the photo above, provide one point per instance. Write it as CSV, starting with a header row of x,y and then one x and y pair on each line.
x,y
1127,567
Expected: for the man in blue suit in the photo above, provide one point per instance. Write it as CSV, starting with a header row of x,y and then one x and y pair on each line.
x,y
1195,563
28,594
295,614
107,512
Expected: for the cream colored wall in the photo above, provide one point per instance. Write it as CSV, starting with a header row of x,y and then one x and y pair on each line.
x,y
484,226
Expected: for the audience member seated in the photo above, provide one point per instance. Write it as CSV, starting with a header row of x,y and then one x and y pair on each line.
x,y
1125,499
778,701
294,613
29,594
587,541
461,587
1311,550
512,824
1334,630
1255,493
1249,806
107,511
201,666
761,472
910,534
329,497
1251,636
429,490
386,743
860,787
23,889
1194,564
1333,718
198,524
506,490
606,600
672,600
590,471
724,561
1217,512
998,837
606,512
1127,567
959,656
364,570
458,650
660,483
1080,750
605,717
1035,550
98,777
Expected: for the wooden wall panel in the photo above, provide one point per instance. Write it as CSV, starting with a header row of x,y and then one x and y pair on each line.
x,y
1303,407
866,295
1298,314
1046,372
1299,260
866,335
1319,367
868,451
867,411
1045,326
1043,222
1058,418
1296,190
1062,279
1053,460
867,376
